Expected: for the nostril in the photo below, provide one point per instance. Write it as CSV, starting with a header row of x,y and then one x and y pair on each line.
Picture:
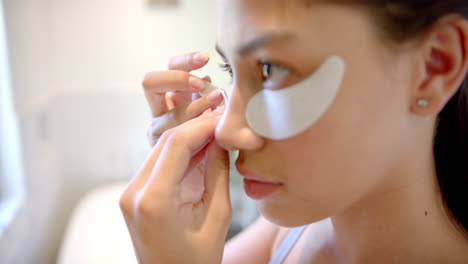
x,y
226,146
238,139
232,132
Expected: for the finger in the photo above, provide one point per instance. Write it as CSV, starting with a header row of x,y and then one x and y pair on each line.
x,y
218,165
189,62
217,187
139,180
217,195
196,160
179,149
182,114
148,166
157,83
192,186
180,98
172,81
207,79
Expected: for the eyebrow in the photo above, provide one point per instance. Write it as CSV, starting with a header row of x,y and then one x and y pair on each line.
x,y
258,43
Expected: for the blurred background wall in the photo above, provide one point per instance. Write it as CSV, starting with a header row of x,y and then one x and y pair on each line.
x,y
76,69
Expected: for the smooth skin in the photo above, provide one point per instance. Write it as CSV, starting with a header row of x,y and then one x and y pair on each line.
x,y
363,175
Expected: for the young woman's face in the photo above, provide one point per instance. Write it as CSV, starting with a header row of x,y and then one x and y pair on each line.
x,y
356,145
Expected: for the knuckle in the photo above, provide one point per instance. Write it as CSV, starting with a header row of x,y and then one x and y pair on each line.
x,y
144,207
147,207
141,204
175,137
125,202
149,79
165,135
146,80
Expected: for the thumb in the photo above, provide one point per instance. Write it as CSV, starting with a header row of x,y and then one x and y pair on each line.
x,y
217,187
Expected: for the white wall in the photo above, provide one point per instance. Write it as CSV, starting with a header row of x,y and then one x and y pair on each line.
x,y
76,73
11,168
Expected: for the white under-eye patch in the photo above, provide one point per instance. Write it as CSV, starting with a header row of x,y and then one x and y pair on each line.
x,y
285,113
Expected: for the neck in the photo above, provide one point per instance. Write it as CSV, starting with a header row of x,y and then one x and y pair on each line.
x,y
403,221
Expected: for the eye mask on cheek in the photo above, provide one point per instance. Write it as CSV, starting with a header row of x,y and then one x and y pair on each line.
x,y
285,113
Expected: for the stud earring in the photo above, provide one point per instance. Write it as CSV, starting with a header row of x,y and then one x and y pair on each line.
x,y
423,103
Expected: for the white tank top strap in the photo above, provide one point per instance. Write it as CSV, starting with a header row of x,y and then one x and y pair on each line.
x,y
287,244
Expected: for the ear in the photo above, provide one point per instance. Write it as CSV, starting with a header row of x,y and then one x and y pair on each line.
x,y
444,52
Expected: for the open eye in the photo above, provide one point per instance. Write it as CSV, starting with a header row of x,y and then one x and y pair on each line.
x,y
273,75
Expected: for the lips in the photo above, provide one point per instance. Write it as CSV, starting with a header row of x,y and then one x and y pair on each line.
x,y
257,187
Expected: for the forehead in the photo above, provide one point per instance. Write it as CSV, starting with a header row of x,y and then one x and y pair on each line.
x,y
241,20
258,7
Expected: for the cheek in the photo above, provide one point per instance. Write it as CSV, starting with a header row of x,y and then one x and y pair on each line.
x,y
345,155
358,130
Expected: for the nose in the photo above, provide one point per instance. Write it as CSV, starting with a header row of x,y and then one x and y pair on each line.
x,y
233,132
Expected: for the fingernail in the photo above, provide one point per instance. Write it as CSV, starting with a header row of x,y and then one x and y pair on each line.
x,y
214,95
196,84
201,57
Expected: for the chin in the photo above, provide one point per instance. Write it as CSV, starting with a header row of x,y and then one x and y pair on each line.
x,y
288,217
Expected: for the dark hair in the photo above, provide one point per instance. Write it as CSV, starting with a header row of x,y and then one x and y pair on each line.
x,y
403,20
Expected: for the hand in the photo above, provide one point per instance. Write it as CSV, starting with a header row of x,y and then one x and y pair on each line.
x,y
176,210
170,94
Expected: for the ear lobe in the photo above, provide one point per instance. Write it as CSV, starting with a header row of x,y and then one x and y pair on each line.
x,y
445,57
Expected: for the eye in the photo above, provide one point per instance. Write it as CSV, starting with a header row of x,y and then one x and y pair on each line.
x,y
273,75
226,67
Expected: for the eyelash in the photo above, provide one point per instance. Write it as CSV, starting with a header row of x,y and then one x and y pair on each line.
x,y
227,68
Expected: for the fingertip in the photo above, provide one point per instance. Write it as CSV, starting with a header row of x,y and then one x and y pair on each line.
x,y
146,79
201,57
214,96
189,61
196,84
207,79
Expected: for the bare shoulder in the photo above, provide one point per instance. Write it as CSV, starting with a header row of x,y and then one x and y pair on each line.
x,y
253,245
314,232
258,242
280,235
306,248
